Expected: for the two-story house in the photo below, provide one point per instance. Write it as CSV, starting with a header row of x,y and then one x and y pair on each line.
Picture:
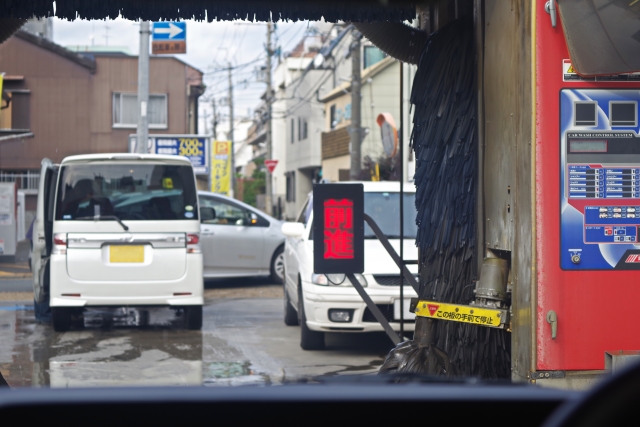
x,y
57,102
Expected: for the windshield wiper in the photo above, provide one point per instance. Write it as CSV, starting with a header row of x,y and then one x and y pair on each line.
x,y
107,217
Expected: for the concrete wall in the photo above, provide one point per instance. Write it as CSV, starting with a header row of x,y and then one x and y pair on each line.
x,y
331,167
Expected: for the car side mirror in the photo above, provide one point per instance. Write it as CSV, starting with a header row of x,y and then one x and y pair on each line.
x,y
207,214
251,219
293,229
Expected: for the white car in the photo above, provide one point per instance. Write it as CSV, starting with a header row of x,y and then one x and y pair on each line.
x,y
318,304
117,230
240,240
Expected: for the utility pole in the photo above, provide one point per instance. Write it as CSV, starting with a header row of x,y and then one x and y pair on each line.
x,y
143,89
269,182
356,86
231,126
214,123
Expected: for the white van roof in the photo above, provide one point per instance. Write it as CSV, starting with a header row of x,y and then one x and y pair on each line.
x,y
126,156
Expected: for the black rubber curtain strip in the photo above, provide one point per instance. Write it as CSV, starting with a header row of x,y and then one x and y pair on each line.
x,y
445,142
210,10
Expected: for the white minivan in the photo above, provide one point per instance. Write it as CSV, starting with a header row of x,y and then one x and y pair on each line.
x,y
117,230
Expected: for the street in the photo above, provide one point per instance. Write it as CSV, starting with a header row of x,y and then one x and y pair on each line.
x,y
243,341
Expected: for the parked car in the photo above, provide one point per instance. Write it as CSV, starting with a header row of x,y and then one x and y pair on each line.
x,y
117,230
320,303
240,240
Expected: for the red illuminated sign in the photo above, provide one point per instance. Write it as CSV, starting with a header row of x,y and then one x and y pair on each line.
x,y
338,223
338,229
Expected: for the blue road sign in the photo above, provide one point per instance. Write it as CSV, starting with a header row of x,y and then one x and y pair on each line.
x,y
174,31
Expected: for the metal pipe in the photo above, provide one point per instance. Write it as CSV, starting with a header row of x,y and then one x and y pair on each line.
x,y
401,179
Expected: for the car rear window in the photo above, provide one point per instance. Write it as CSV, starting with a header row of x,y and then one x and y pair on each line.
x,y
129,191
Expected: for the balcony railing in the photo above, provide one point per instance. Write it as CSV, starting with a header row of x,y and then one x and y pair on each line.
x,y
26,181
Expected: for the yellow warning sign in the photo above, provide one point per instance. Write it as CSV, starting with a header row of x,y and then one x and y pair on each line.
x,y
570,70
460,313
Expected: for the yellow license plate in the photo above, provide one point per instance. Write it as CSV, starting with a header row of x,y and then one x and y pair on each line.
x,y
459,313
126,253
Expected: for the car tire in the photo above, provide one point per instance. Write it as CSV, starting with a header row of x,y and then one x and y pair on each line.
x,y
277,266
309,340
193,317
61,318
290,313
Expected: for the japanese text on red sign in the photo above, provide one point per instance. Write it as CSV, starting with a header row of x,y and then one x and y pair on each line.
x,y
338,229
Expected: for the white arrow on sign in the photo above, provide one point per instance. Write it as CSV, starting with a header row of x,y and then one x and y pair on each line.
x,y
173,30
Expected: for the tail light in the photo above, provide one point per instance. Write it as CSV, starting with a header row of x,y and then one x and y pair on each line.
x,y
193,244
60,244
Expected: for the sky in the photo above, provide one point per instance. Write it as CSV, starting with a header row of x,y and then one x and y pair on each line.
x,y
210,48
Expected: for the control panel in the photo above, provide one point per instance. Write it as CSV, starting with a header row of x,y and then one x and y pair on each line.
x,y
600,179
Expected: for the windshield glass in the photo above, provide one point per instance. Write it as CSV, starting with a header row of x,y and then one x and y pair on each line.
x,y
384,208
129,191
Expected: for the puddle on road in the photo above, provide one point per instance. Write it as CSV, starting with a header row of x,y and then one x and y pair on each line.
x,y
129,347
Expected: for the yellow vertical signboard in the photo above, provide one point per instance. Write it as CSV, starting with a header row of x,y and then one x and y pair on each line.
x,y
221,167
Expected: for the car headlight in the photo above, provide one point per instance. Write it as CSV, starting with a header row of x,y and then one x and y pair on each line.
x,y
335,279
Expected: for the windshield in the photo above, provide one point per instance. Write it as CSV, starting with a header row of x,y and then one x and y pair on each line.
x,y
384,208
176,246
129,191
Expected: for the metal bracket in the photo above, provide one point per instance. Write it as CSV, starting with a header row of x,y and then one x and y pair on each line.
x,y
543,375
374,309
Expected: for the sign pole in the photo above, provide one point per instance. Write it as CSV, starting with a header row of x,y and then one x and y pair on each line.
x,y
231,136
143,89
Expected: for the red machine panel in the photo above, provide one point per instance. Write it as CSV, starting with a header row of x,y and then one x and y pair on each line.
x,y
587,208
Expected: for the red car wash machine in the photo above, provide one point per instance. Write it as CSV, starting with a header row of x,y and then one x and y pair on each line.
x,y
557,209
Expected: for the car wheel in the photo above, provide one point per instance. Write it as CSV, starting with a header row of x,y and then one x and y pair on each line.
x,y
193,317
309,340
61,318
290,314
277,266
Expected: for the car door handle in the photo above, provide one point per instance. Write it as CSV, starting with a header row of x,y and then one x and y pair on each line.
x,y
209,233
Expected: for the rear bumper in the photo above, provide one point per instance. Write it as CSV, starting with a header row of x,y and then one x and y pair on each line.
x,y
318,300
110,293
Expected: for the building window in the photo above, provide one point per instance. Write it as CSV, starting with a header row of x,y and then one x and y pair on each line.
x,y
291,186
372,55
332,116
293,130
302,128
125,110
15,110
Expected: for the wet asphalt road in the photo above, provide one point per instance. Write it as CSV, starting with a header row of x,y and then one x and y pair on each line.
x,y
243,341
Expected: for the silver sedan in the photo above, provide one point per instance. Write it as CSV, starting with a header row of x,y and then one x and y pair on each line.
x,y
239,240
